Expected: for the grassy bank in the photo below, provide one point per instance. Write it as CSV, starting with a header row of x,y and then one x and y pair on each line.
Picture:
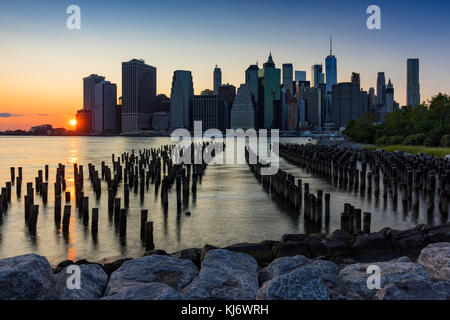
x,y
438,152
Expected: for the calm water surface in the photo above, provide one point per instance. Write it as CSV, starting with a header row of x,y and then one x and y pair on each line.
x,y
230,206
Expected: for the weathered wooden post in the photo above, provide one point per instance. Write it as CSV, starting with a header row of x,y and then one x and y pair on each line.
x,y
32,222
126,191
344,221
46,172
58,209
149,245
27,207
358,218
13,174
66,218
18,186
44,192
327,206
366,222
144,216
116,210
85,211
68,196
94,223
123,223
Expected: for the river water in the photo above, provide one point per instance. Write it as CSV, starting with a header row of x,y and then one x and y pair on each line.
x,y
230,205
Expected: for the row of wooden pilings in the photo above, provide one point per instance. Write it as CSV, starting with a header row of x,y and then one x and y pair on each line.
x,y
347,168
315,207
135,171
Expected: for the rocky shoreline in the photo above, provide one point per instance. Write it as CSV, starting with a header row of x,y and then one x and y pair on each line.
x,y
414,264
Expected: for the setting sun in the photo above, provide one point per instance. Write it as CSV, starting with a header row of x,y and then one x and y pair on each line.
x,y
73,122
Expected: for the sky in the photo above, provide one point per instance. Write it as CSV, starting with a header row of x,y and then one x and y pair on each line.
x,y
42,63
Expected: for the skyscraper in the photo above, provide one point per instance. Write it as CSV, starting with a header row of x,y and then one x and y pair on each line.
x,y
251,80
316,75
288,77
389,97
181,99
346,103
269,93
209,109
217,79
381,89
330,69
243,112
413,84
312,99
104,114
89,90
356,78
300,75
138,95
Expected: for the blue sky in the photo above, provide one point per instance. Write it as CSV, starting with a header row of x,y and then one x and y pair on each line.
x,y
195,35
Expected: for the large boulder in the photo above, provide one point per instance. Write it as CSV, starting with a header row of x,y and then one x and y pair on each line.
x,y
192,254
436,260
26,277
110,267
285,265
295,278
147,291
415,290
372,242
406,239
291,248
263,251
339,290
225,275
92,283
176,273
356,275
300,284
205,249
437,233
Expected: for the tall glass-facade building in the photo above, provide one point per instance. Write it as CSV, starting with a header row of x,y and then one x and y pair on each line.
x,y
181,99
269,92
138,95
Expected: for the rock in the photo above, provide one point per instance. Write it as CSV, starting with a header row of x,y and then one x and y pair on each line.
x,y
263,251
109,268
438,234
301,284
26,277
176,273
155,252
401,240
339,290
336,247
315,247
205,249
291,248
415,290
92,283
435,259
62,265
225,275
392,271
285,265
192,254
292,237
376,241
147,291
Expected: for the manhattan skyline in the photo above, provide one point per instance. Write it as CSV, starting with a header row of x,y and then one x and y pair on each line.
x,y
43,62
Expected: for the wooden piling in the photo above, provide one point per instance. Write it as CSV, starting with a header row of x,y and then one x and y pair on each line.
x,y
149,245
366,222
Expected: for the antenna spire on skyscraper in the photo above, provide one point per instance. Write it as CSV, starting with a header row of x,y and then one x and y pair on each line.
x,y
331,45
